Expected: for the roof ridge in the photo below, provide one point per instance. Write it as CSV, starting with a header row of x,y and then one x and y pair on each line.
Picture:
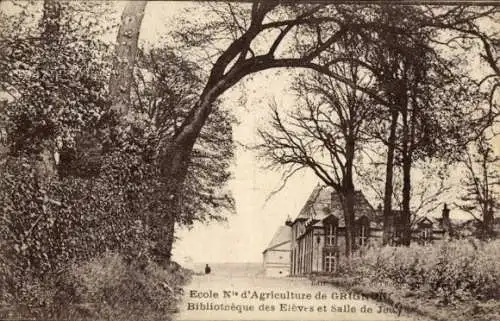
x,y
316,197
276,245
311,199
279,237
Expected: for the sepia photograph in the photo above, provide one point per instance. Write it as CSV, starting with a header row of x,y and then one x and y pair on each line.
x,y
249,160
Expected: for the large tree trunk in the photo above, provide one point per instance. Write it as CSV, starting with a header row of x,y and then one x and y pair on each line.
x,y
125,56
406,213
174,158
389,174
407,163
487,223
350,235
348,198
489,201
174,164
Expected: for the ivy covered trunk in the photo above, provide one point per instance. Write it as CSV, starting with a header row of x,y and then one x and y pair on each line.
x,y
45,166
174,163
163,223
174,160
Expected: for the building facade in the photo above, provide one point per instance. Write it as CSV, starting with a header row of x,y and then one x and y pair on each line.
x,y
317,234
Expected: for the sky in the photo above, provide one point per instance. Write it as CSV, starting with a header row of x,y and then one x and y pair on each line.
x,y
247,232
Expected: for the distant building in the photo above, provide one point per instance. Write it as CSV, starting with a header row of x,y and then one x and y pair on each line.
x,y
423,229
473,228
277,254
318,232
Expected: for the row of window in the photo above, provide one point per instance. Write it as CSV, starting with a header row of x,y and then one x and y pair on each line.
x,y
331,235
425,235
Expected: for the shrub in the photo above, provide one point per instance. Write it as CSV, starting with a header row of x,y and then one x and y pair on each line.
x,y
452,271
121,290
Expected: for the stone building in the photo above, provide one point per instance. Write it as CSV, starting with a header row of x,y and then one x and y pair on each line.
x,y
317,234
424,229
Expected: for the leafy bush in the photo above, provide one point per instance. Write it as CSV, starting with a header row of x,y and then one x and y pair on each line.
x,y
107,287
71,219
452,271
120,289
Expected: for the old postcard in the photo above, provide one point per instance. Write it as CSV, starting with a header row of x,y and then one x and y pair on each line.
x,y
249,160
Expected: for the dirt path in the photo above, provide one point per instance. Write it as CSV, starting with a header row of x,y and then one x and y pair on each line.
x,y
247,298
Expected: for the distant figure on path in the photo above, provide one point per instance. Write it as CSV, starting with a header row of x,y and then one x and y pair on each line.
x,y
207,269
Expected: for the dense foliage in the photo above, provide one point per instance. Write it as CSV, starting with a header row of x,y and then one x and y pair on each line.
x,y
76,180
450,273
166,88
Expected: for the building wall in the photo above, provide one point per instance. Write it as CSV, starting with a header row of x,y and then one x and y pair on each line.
x,y
307,254
277,256
276,271
317,261
294,246
277,261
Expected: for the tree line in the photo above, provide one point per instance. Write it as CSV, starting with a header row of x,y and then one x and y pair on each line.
x,y
109,147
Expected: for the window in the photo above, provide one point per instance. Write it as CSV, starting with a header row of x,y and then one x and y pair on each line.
x,y
426,234
363,235
330,235
329,261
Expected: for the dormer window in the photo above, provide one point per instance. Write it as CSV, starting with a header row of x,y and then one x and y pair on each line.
x,y
363,231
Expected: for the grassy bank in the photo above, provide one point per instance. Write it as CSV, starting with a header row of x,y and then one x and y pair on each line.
x,y
105,288
450,281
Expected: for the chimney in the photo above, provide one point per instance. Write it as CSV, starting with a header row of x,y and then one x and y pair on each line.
x,y
446,219
446,212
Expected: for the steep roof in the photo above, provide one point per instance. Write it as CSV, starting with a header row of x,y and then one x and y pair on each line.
x,y
423,219
282,235
361,207
324,200
319,196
